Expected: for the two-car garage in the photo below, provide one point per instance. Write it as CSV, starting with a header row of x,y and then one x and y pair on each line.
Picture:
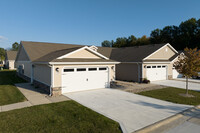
x,y
156,72
84,78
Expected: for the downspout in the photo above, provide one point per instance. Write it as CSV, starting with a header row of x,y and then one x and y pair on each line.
x,y
51,86
32,73
138,72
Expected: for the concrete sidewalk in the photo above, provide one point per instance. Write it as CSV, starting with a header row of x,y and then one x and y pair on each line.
x,y
178,84
189,80
33,96
185,122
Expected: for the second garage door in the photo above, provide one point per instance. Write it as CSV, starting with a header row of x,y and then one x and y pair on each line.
x,y
79,79
154,73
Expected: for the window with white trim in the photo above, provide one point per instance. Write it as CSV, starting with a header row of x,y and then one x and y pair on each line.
x,y
102,69
80,69
92,69
69,70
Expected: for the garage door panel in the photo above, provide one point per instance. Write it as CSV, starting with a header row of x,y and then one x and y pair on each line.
x,y
84,80
154,73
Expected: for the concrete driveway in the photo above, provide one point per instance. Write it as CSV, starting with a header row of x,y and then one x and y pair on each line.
x,y
178,84
132,111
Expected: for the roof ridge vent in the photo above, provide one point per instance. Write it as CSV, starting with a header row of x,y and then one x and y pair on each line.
x,y
93,48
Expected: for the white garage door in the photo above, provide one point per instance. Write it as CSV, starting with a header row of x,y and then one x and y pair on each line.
x,y
79,79
156,72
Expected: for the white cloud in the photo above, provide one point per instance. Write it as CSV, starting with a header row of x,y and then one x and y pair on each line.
x,y
2,38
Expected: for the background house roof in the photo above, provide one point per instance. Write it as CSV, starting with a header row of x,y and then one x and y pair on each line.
x,y
11,55
41,52
130,54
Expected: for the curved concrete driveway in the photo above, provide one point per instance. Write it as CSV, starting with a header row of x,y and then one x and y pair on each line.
x,y
132,111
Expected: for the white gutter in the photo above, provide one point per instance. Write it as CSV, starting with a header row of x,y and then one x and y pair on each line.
x,y
77,63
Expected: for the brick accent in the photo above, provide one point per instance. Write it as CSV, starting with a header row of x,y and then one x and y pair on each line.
x,y
56,91
169,76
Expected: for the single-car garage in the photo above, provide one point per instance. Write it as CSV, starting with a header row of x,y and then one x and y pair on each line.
x,y
84,78
156,72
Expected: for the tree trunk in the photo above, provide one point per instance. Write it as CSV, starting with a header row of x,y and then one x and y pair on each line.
x,y
186,85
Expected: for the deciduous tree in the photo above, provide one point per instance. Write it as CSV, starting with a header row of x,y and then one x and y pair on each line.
x,y
15,46
188,64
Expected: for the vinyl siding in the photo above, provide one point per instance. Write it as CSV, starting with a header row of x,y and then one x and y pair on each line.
x,y
27,67
22,56
42,73
163,54
83,54
127,71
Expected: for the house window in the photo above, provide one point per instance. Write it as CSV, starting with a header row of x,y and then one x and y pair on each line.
x,y
92,69
68,70
102,69
158,66
163,66
21,69
81,69
153,66
148,66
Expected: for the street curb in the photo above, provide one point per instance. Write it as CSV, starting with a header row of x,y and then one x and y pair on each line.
x,y
168,120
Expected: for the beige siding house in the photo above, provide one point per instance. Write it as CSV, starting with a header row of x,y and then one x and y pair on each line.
x,y
10,59
63,68
153,62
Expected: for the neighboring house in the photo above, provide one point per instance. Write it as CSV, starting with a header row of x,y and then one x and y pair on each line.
x,y
153,62
62,68
175,73
10,59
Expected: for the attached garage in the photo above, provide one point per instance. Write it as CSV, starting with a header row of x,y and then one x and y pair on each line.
x,y
84,78
158,72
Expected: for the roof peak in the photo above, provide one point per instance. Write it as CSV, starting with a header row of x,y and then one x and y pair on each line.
x,y
49,43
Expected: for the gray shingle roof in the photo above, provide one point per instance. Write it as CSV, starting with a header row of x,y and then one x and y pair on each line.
x,y
130,54
46,52
11,55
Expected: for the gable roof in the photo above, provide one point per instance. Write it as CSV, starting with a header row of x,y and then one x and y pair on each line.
x,y
11,55
130,54
87,48
47,52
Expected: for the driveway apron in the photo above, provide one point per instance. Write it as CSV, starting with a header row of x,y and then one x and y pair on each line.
x,y
131,111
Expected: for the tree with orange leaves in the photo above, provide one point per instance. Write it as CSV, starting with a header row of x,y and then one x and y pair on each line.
x,y
188,64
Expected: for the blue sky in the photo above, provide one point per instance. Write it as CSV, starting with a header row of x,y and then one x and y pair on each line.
x,y
88,22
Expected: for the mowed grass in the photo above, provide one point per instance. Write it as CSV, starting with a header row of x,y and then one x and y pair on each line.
x,y
8,92
171,94
68,117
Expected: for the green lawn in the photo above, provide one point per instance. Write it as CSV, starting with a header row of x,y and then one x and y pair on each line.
x,y
8,92
172,95
68,117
